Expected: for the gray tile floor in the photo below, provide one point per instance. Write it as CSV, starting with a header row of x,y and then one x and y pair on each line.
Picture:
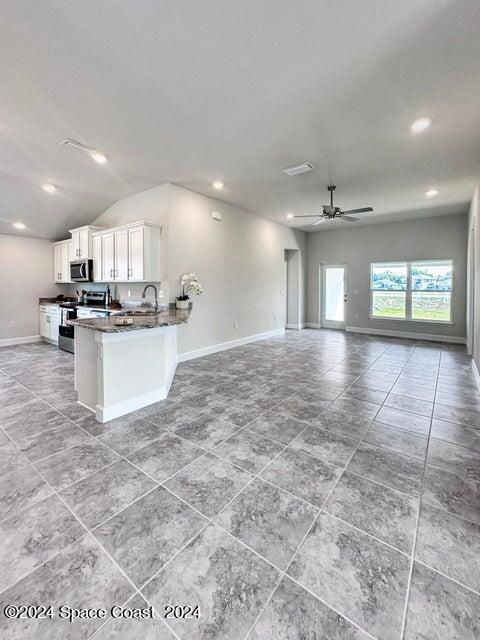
x,y
322,486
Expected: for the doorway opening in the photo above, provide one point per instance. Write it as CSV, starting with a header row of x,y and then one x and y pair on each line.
x,y
291,288
333,296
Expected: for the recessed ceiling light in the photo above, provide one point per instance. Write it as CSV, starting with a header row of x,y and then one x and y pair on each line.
x,y
49,188
420,125
289,216
19,225
79,146
217,184
99,157
431,192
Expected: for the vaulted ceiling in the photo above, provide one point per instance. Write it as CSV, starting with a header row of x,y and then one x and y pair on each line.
x,y
189,92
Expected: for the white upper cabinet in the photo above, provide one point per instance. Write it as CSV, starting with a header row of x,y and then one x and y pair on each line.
x,y
108,258
97,259
135,254
120,270
130,253
82,243
61,261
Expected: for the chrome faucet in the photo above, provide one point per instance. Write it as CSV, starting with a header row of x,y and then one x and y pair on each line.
x,y
156,295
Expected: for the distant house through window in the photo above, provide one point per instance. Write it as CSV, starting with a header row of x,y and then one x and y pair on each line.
x,y
419,290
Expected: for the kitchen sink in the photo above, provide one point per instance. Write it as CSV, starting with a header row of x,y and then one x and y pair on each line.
x,y
139,312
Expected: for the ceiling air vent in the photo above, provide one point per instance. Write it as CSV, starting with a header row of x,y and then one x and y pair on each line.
x,y
298,168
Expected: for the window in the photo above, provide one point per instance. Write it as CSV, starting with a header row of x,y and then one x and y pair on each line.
x,y
389,289
412,290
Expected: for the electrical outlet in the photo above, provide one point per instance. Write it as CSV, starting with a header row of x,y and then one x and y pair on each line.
x,y
274,318
356,316
161,295
235,325
12,324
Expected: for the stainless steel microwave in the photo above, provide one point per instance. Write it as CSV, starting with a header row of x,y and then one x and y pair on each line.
x,y
81,271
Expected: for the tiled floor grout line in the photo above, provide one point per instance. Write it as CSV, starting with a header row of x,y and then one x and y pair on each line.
x,y
369,535
56,492
128,461
447,577
153,488
284,572
87,532
414,545
124,604
202,455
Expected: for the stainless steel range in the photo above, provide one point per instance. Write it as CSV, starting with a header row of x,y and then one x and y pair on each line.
x,y
91,308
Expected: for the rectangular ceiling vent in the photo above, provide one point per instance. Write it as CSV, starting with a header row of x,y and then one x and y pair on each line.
x,y
76,146
298,168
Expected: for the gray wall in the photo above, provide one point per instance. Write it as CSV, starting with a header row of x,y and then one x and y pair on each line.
x,y
240,262
473,333
26,274
433,238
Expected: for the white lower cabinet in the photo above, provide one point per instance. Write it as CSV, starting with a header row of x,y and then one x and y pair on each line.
x,y
49,322
128,254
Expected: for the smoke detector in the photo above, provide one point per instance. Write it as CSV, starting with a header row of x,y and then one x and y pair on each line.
x,y
296,169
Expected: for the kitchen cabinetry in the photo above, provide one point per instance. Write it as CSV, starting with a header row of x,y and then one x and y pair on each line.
x,y
120,272
131,253
108,258
81,247
61,261
97,259
49,322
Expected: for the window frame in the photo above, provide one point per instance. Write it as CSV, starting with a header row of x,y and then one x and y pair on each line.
x,y
409,291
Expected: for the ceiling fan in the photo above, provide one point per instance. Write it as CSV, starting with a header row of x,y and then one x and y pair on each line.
x,y
335,213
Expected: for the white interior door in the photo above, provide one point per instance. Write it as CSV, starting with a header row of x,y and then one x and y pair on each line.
x,y
334,299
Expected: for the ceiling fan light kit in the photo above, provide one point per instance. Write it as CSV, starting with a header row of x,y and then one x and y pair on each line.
x,y
330,212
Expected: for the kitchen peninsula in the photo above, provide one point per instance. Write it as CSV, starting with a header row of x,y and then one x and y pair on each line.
x,y
123,367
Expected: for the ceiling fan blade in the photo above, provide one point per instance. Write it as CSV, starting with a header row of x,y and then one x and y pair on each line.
x,y
321,220
362,210
315,216
348,218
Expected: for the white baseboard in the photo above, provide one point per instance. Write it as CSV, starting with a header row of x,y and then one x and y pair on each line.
x,y
295,326
132,404
476,374
9,342
407,334
313,325
223,346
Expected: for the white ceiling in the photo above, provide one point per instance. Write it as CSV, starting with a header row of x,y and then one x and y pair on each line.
x,y
188,92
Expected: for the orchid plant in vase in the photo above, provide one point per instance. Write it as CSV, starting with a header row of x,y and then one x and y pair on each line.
x,y
190,284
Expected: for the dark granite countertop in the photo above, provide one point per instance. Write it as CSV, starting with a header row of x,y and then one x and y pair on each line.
x,y
55,300
164,318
